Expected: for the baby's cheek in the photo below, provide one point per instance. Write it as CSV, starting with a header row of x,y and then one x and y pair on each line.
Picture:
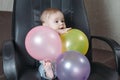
x,y
64,25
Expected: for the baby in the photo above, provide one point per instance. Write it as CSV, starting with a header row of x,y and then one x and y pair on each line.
x,y
54,19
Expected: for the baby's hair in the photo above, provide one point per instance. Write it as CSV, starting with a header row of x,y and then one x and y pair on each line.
x,y
47,12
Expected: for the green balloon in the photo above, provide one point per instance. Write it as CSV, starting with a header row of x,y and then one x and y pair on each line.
x,y
75,40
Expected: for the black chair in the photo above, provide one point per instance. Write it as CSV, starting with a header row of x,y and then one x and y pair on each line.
x,y
17,63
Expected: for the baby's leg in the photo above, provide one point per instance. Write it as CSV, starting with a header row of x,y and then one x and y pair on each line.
x,y
46,70
48,67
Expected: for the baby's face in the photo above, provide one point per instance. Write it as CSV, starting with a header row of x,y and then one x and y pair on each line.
x,y
56,21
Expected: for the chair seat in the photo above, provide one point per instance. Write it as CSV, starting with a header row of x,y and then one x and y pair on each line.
x,y
96,74
102,72
31,75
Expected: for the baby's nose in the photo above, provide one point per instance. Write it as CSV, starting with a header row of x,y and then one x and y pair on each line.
x,y
60,22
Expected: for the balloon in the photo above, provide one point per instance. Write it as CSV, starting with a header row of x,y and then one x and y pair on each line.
x,y
75,40
72,66
43,43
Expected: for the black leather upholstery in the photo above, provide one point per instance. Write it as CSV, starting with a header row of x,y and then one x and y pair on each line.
x,y
18,65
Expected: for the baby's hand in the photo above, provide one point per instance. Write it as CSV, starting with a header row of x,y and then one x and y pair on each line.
x,y
61,31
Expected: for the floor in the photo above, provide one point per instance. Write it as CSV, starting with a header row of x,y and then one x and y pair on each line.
x,y
102,56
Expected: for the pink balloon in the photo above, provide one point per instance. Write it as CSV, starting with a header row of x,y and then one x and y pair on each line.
x,y
43,43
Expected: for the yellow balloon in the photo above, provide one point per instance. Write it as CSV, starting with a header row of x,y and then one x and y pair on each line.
x,y
75,40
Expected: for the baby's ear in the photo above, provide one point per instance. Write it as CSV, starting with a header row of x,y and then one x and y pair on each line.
x,y
44,24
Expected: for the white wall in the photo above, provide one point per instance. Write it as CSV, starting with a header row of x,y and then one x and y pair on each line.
x,y
6,5
113,8
104,19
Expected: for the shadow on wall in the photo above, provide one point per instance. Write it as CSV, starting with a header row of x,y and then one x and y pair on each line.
x,y
5,27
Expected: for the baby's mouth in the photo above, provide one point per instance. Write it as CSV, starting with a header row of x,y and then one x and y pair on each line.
x,y
61,28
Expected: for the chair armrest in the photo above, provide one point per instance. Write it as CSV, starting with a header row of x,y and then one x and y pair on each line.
x,y
115,47
10,61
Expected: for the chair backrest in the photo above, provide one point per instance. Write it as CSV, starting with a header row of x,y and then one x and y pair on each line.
x,y
26,15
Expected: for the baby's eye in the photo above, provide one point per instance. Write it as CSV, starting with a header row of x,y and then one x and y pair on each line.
x,y
62,21
56,21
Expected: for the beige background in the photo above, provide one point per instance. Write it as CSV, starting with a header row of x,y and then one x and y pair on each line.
x,y
104,19
6,5
103,16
